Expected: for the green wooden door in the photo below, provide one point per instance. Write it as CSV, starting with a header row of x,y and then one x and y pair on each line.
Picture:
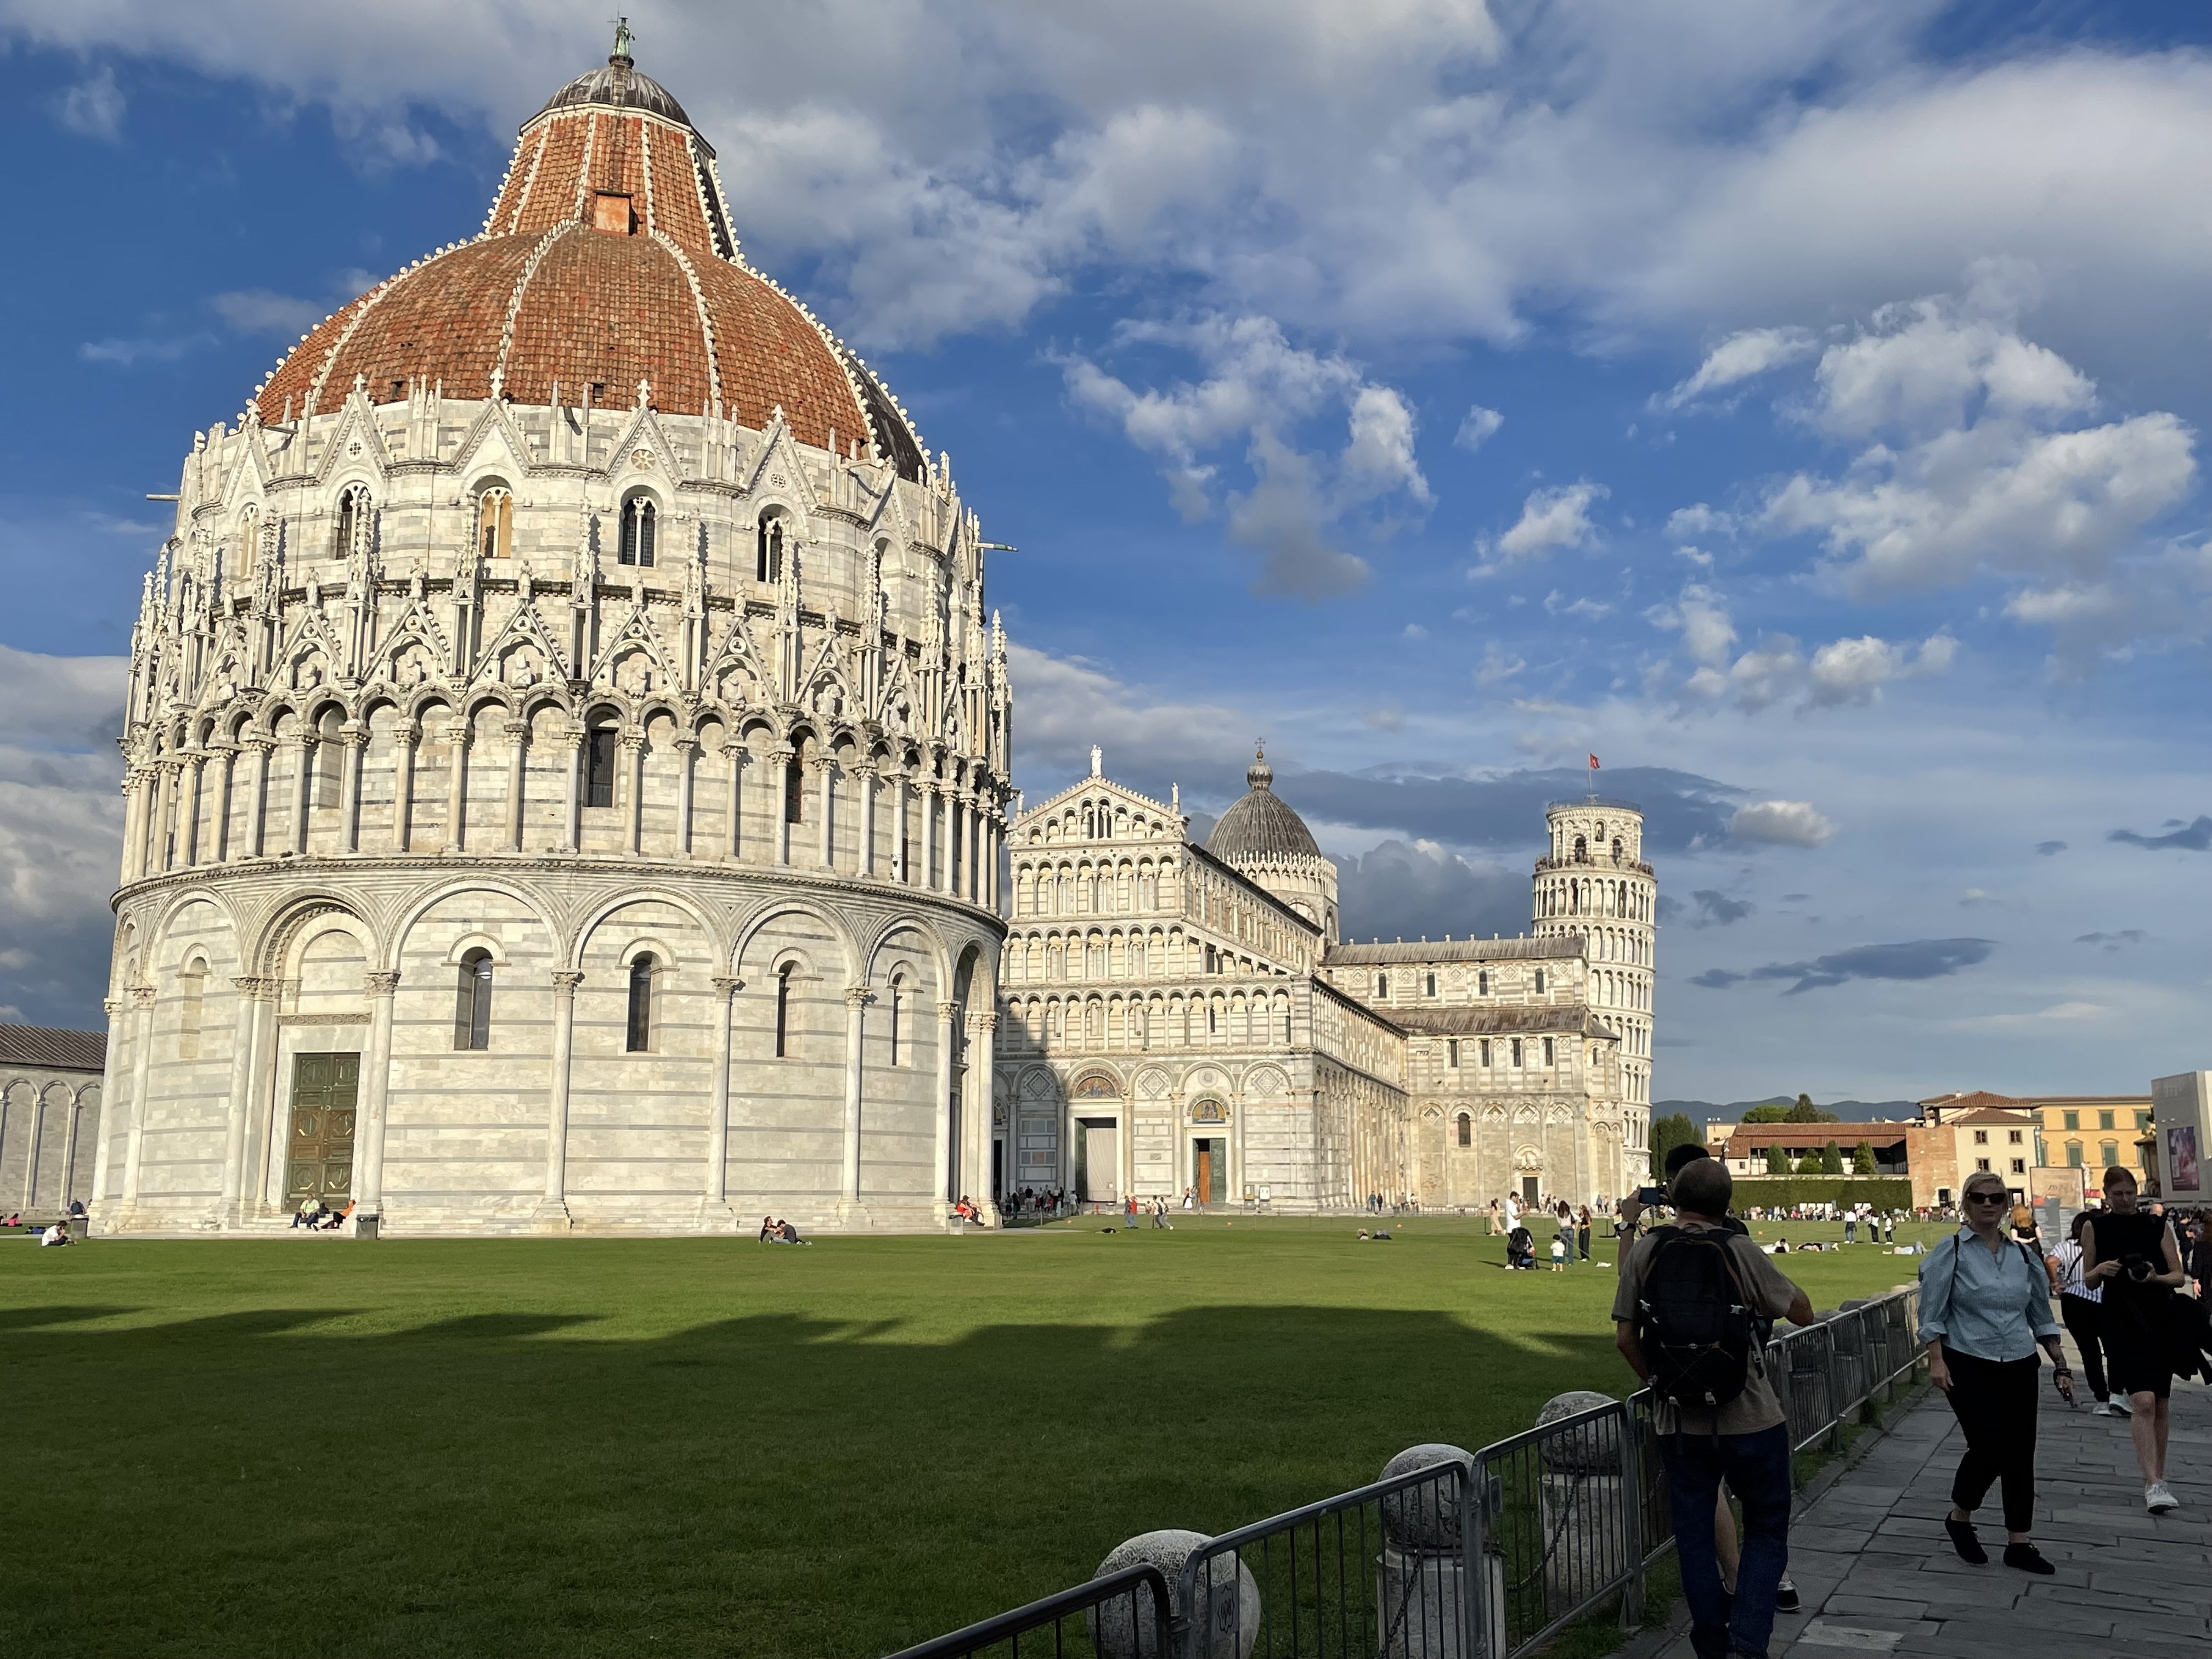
x,y
319,1159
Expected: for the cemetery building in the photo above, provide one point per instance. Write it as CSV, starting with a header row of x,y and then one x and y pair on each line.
x,y
50,1092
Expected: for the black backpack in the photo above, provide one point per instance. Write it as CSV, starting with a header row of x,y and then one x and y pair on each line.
x,y
1696,1324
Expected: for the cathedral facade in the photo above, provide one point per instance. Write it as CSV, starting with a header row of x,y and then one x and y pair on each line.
x,y
1183,1017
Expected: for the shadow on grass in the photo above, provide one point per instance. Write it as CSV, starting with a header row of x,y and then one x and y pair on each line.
x,y
253,1482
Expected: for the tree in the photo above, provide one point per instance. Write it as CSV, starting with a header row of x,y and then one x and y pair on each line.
x,y
1777,1161
1832,1159
1863,1158
1810,1164
1668,1132
1770,1113
1806,1112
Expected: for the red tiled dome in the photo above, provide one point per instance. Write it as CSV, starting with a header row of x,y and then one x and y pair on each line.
x,y
606,260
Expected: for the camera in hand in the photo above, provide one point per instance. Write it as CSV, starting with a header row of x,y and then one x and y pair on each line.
x,y
1648,1196
2138,1269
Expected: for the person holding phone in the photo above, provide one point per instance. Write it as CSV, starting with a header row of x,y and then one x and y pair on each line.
x,y
1984,1308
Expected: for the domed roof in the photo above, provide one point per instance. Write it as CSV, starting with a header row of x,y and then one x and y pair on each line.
x,y
607,260
1261,824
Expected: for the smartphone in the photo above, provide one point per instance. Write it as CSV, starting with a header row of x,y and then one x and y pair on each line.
x,y
1648,1196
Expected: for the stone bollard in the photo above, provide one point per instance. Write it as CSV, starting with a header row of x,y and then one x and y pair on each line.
x,y
1228,1625
1584,1502
1421,1577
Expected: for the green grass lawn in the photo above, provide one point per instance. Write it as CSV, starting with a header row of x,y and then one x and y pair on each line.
x,y
713,1446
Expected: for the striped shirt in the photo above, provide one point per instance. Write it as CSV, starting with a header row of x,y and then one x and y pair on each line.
x,y
2070,1274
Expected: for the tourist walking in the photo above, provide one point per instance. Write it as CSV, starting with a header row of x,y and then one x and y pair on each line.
x,y
2132,1257
2081,1310
1684,1320
1984,1306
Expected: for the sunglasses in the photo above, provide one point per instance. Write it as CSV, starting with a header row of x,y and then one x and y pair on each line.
x,y
1988,1198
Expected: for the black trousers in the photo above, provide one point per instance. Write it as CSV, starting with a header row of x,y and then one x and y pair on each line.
x,y
1994,1400
2085,1323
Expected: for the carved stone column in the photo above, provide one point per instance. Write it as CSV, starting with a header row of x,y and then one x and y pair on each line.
x,y
573,824
974,883
518,774
953,840
946,1182
142,1004
109,1095
188,818
857,998
687,767
75,1110
553,1208
403,781
249,991
375,1090
460,732
633,745
825,776
164,797
256,822
867,777
717,1203
979,1109
780,759
218,827
356,750
134,823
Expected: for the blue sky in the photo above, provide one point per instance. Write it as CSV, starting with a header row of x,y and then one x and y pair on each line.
x,y
1799,405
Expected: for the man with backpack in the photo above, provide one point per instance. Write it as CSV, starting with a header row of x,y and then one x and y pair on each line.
x,y
1685,1318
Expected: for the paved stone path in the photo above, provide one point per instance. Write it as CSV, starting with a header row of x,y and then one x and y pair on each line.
x,y
1877,1574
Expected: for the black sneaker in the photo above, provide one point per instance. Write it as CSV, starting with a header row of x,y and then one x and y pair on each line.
x,y
2026,1558
1786,1596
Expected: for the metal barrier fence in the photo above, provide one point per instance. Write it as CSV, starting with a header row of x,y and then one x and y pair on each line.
x,y
1451,1555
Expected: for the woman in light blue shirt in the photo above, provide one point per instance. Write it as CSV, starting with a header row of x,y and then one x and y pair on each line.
x,y
1984,1307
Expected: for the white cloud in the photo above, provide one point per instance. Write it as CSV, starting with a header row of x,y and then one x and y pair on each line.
x,y
1478,428
1686,522
1257,387
1781,824
1854,670
1740,357
259,311
1975,465
1550,519
1497,666
93,107
1776,670
1068,703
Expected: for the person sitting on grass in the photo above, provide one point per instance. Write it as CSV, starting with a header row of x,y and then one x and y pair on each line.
x,y
1520,1248
788,1234
57,1234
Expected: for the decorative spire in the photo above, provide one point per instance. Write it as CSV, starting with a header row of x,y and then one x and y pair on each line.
x,y
625,42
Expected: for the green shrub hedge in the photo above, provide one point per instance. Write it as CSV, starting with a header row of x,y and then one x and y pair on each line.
x,y
1883,1192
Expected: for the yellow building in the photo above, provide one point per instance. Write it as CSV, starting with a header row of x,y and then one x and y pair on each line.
x,y
2089,1133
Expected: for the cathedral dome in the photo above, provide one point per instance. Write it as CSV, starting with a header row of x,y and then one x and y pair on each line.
x,y
1261,824
607,261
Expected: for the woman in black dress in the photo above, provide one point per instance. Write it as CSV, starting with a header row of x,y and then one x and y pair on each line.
x,y
2131,1254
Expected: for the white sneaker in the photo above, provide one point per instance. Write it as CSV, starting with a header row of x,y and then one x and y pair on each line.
x,y
2105,1408
2157,1499
2121,1409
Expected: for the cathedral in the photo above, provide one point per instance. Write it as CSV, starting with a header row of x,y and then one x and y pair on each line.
x,y
567,787
1178,1018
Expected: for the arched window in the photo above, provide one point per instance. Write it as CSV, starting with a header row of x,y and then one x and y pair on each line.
x,y
1381,984
897,999
638,1039
1482,983
638,514
1582,849
330,757
191,991
496,523
1212,1024
1429,985
472,1001
353,521
1466,1129
1540,982
1616,849
1516,1051
767,552
599,765
795,786
1451,1051
783,1011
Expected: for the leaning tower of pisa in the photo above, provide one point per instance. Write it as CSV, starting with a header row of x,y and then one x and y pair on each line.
x,y
1594,883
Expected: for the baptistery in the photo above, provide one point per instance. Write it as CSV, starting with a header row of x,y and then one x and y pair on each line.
x,y
566,751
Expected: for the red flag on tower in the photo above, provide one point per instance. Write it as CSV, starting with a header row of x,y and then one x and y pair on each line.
x,y
1593,761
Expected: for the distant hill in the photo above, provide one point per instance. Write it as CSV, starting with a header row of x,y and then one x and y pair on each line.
x,y
1849,1111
